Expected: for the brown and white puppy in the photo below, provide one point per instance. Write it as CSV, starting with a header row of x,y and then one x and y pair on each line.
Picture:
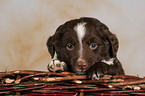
x,y
84,46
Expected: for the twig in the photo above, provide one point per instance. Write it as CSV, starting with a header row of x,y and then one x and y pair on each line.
x,y
142,86
128,83
125,77
100,81
134,87
56,79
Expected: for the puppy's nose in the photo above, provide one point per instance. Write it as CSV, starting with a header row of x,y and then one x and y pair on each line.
x,y
81,64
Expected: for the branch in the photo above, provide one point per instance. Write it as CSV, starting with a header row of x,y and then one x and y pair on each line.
x,y
55,79
128,83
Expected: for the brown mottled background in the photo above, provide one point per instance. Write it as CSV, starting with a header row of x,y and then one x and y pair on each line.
x,y
25,26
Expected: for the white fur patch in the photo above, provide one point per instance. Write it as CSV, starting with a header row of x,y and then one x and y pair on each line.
x,y
56,65
109,62
81,31
55,56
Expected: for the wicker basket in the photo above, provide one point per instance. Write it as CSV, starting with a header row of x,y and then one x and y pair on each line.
x,y
35,83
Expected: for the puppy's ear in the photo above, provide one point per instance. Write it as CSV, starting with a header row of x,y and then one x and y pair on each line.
x,y
110,38
50,46
52,41
113,44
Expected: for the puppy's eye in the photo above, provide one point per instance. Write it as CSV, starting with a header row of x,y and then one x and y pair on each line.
x,y
69,47
93,46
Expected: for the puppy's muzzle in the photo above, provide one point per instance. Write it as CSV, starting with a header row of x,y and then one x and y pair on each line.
x,y
81,64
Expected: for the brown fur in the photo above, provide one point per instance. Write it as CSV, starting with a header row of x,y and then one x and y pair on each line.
x,y
95,32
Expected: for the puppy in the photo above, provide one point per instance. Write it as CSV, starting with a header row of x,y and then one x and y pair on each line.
x,y
84,46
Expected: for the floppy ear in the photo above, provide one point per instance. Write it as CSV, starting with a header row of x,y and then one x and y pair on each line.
x,y
108,37
103,30
113,44
51,41
50,46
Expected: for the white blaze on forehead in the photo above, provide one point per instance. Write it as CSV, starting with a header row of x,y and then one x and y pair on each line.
x,y
81,30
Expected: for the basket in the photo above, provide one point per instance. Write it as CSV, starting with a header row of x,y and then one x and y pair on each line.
x,y
35,83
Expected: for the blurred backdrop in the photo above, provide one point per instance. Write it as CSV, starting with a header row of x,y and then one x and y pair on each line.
x,y
25,26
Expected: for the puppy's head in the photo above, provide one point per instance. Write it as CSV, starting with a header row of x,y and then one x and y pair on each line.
x,y
80,43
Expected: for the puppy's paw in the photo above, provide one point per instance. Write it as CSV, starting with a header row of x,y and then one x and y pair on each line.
x,y
56,66
94,75
97,71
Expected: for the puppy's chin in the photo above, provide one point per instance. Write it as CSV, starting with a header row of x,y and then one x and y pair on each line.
x,y
80,72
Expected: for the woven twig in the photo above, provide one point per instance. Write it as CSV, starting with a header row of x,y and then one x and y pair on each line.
x,y
29,82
